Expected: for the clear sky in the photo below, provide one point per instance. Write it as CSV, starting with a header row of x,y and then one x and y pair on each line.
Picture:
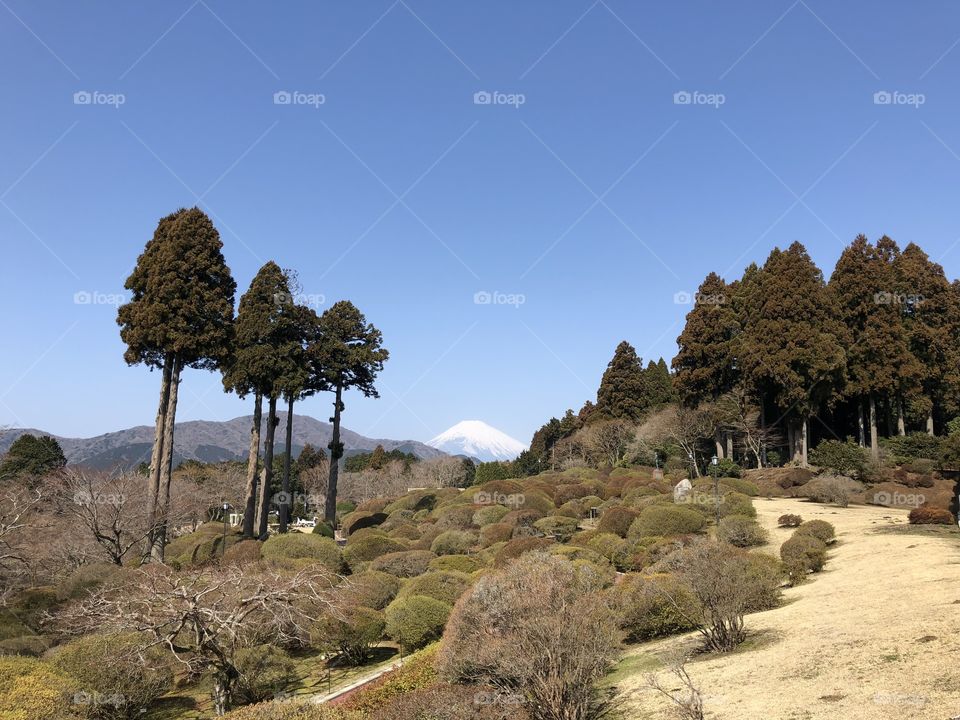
x,y
586,193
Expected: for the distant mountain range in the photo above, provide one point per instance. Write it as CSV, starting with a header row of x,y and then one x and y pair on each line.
x,y
209,441
476,439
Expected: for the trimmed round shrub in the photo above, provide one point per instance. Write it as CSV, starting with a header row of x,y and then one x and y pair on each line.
x,y
617,520
31,690
406,531
789,521
359,520
802,554
373,505
265,670
110,665
613,548
654,606
345,507
764,573
820,529
927,515
453,542
351,632
413,501
443,585
489,514
243,553
429,533
416,620
457,563
372,589
521,518
29,645
455,517
566,493
741,531
369,547
497,532
736,503
517,547
562,528
322,528
664,520
84,579
406,564
296,550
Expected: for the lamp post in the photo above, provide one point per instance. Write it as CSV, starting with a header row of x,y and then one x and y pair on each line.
x,y
223,546
716,486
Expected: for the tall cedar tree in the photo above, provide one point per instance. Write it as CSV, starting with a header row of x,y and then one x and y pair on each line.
x,y
622,393
31,457
931,318
348,354
180,315
877,351
705,364
791,343
259,362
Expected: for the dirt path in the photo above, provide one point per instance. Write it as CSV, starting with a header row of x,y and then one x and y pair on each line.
x,y
875,635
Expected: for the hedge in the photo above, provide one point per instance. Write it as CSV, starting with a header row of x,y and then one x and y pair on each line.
x,y
664,520
416,620
295,550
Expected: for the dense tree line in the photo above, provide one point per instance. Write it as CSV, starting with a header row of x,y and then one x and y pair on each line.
x,y
181,314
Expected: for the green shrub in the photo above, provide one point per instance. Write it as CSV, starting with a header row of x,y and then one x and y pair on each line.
x,y
352,632
663,520
562,528
617,520
927,515
764,573
727,468
820,529
34,690
489,514
741,531
789,521
112,665
416,620
243,553
417,672
296,550
406,564
443,585
360,520
453,542
84,579
736,503
840,458
497,532
29,645
745,487
455,517
517,547
829,490
345,507
457,563
917,445
322,528
802,554
265,670
653,606
369,547
372,589
613,548
288,710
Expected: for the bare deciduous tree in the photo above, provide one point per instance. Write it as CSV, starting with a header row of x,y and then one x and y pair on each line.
x,y
17,507
607,441
687,699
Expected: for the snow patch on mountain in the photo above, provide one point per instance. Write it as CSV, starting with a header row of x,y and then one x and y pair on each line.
x,y
478,440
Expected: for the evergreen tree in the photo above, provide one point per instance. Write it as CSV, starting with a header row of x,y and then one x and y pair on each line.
x,y
348,354
180,315
377,459
791,344
265,330
622,393
659,383
32,457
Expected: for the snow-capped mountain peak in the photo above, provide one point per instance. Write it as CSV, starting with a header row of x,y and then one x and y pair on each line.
x,y
478,440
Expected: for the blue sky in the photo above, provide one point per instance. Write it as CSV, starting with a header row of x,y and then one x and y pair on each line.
x,y
587,189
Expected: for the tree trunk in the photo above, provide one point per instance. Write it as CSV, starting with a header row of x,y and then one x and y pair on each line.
x,y
930,422
717,442
336,451
166,463
804,435
901,424
153,492
729,449
874,442
287,500
791,441
763,434
253,460
263,515
861,429
222,692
